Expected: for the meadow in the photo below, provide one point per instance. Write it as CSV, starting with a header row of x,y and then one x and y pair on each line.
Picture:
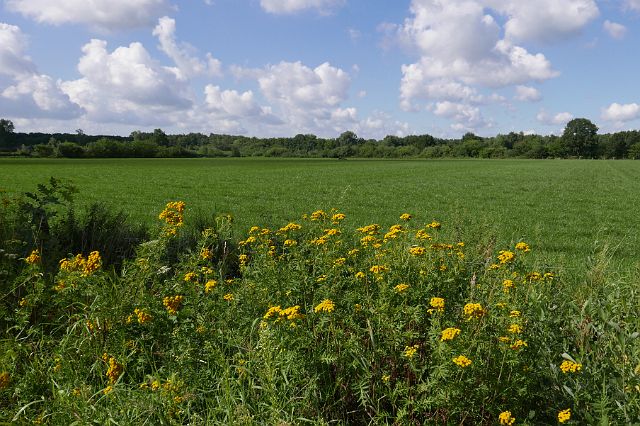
x,y
326,292
567,209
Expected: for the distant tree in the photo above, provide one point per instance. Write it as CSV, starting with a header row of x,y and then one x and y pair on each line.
x,y
347,138
6,133
580,138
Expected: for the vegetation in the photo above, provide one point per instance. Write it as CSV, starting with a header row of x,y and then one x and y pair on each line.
x,y
579,140
318,320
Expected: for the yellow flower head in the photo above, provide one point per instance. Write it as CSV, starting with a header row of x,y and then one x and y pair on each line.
x,y
326,305
473,310
505,256
172,303
405,216
206,254
437,305
462,361
360,275
564,415
401,287
173,214
191,277
318,215
210,285
423,235
372,229
34,257
519,344
522,246
449,334
417,251
290,243
378,269
114,371
515,329
410,351
434,225
570,367
506,418
228,297
337,217
507,285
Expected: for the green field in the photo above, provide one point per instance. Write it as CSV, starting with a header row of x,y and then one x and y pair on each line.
x,y
566,209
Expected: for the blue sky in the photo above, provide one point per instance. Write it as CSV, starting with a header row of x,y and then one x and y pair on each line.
x,y
282,67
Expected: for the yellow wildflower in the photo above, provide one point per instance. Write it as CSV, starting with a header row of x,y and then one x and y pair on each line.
x,y
290,243
172,303
378,269
405,216
142,316
386,378
337,217
564,415
506,418
507,285
318,215
326,305
401,287
370,229
434,225
570,366
173,214
191,277
462,361
353,252
107,390
514,314
449,334
289,227
206,254
360,275
417,251
437,305
422,235
228,297
340,261
368,240
5,378
34,257
114,371
243,259
410,351
210,285
515,329
522,246
505,256
473,310
518,344
332,231
534,276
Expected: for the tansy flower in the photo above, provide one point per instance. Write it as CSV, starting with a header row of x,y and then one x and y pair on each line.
x,y
522,246
514,314
210,285
410,351
378,269
401,287
206,254
339,261
462,361
564,415
518,344
505,256
228,297
34,257
473,310
434,225
172,303
417,251
506,418
243,259
405,216
449,334
437,305
422,235
114,371
337,217
370,229
570,366
360,275
515,329
507,285
326,305
290,243
173,214
190,277
318,215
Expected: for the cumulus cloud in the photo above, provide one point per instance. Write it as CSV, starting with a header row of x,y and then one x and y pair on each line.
x,y
615,30
621,113
103,14
545,21
632,4
283,7
187,65
464,116
527,94
23,90
462,47
560,118
126,84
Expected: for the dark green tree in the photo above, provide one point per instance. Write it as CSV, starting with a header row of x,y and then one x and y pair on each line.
x,y
580,138
6,134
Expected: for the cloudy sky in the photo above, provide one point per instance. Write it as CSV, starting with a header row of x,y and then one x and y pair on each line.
x,y
282,67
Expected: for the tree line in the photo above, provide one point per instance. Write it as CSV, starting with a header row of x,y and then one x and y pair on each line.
x,y
580,139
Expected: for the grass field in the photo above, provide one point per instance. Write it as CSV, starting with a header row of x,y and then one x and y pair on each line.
x,y
510,297
566,209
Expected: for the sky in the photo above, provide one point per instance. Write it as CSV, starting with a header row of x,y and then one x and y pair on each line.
x,y
283,67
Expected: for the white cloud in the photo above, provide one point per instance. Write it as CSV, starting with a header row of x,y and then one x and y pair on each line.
x,y
632,4
464,116
126,84
560,118
283,7
188,66
102,14
24,91
544,21
615,30
621,112
527,94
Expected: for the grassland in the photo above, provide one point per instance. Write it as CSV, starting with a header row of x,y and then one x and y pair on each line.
x,y
566,209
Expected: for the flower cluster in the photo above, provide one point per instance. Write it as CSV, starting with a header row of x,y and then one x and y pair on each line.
x,y
114,370
401,287
462,361
291,313
33,258
173,213
437,305
473,310
79,264
506,418
141,316
449,334
505,256
564,415
172,303
326,305
570,367
410,351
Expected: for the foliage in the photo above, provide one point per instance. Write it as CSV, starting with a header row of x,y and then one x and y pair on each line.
x,y
321,321
580,138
